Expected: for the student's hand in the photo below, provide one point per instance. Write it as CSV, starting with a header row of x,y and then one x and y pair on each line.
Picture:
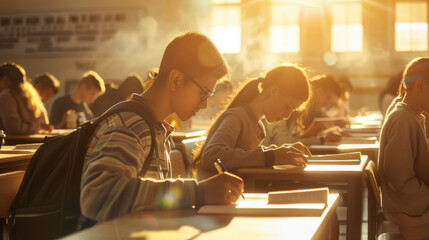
x,y
333,137
46,128
302,148
313,129
223,188
283,156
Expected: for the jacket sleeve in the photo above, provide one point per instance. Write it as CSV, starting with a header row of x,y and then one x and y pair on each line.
x,y
13,123
110,184
222,145
400,153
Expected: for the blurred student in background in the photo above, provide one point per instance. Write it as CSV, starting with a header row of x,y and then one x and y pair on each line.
x,y
21,109
70,108
403,156
235,136
132,84
390,92
46,85
301,127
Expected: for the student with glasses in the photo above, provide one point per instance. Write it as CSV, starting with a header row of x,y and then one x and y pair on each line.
x,y
113,182
236,134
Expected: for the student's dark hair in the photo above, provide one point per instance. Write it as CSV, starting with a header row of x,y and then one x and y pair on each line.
x,y
47,80
416,66
19,86
194,54
290,79
327,83
132,84
92,79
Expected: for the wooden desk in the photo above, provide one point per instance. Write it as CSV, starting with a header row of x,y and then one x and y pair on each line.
x,y
322,174
366,149
34,138
14,160
186,224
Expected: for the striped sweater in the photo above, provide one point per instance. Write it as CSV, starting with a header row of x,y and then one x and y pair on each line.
x,y
113,183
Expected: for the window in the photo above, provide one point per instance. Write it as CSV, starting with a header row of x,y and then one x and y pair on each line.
x,y
226,25
411,27
284,29
346,28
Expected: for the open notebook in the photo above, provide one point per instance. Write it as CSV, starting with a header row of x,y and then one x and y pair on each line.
x,y
285,203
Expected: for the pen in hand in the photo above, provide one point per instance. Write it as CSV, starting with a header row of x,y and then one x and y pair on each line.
x,y
221,169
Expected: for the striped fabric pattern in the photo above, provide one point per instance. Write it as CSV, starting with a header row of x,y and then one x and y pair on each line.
x,y
112,182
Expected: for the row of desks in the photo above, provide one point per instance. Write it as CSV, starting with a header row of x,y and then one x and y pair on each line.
x,y
208,227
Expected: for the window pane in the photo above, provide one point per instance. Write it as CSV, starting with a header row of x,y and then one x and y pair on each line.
x,y
346,29
411,27
226,28
284,29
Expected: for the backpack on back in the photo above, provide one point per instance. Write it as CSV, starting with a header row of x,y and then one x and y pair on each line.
x,y
47,204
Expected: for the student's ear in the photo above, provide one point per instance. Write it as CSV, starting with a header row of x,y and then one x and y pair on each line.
x,y
175,79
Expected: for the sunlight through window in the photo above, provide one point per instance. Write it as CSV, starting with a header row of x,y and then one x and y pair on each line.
x,y
346,29
226,25
411,28
284,29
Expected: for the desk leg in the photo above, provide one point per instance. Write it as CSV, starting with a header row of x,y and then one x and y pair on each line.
x,y
354,208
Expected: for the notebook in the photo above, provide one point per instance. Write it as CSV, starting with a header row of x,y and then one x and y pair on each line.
x,y
256,204
352,158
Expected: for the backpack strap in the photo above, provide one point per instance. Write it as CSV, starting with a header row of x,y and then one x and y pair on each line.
x,y
143,111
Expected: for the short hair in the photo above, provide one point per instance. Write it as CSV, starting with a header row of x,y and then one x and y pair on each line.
x,y
193,53
92,79
132,84
47,80
328,83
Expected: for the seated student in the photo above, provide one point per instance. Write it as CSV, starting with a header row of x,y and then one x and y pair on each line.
x,y
218,101
235,136
300,127
112,95
343,106
112,182
403,156
90,87
389,93
46,85
21,110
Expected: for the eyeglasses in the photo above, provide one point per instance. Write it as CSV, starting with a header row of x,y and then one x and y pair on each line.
x,y
206,95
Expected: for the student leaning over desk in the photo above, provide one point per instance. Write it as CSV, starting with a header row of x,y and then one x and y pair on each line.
x,y
235,136
403,159
112,182
21,109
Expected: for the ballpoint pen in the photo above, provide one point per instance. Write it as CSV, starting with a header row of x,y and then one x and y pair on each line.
x,y
221,169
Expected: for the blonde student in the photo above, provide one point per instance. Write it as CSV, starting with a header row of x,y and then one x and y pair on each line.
x,y
235,136
113,181
403,159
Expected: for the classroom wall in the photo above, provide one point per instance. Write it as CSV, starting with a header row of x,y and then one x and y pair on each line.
x,y
136,44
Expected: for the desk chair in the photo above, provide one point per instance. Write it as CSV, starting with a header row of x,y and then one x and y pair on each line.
x,y
376,219
9,185
177,164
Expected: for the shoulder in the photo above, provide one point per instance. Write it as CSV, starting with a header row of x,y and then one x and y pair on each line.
x,y
126,121
62,99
